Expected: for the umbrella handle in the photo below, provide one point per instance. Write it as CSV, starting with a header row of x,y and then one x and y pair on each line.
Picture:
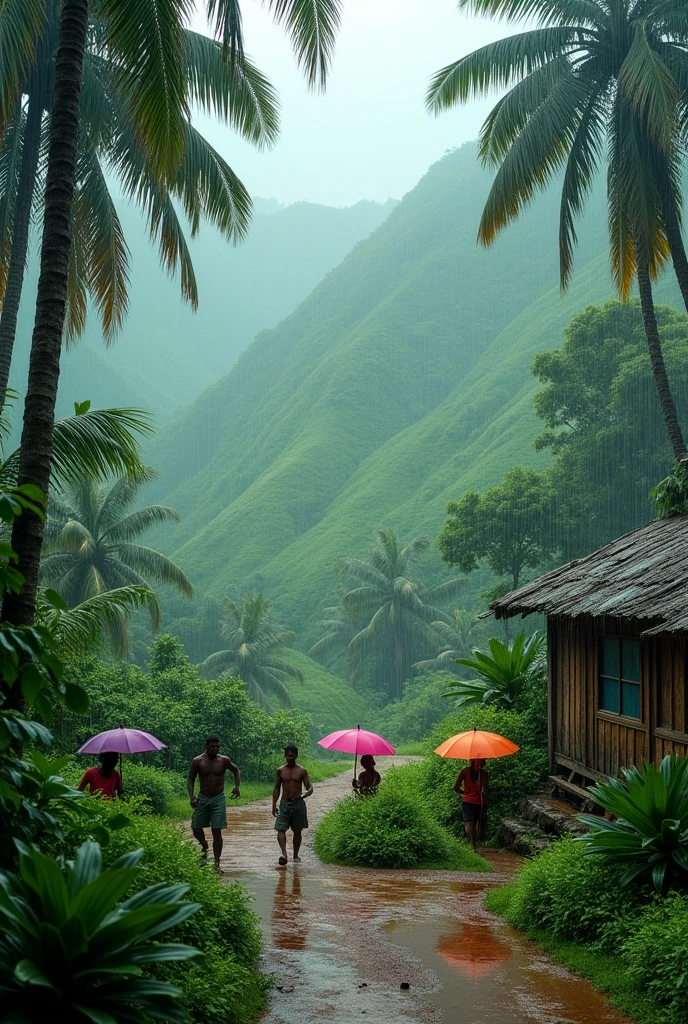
x,y
355,764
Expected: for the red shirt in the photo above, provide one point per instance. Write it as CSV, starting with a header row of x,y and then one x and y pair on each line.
x,y
108,785
471,789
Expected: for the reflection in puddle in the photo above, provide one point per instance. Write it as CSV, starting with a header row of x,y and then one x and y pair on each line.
x,y
474,950
289,928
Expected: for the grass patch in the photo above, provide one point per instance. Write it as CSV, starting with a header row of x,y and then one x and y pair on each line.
x,y
412,749
319,771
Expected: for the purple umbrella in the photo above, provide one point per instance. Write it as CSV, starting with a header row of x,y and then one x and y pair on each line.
x,y
121,741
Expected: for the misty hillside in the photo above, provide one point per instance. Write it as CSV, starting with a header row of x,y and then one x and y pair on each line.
x,y
166,355
400,382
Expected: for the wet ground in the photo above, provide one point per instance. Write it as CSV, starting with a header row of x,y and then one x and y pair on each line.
x,y
341,942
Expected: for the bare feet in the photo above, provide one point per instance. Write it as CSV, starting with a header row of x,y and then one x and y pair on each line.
x,y
218,869
297,860
282,861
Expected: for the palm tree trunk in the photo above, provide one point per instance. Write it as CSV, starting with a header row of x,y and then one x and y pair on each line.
x,y
35,458
20,239
678,250
666,399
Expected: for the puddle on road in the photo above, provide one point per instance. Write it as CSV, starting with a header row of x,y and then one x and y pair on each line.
x,y
464,964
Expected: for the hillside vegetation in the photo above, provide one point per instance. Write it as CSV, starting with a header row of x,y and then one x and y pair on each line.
x,y
399,383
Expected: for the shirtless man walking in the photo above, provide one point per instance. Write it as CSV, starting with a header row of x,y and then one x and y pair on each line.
x,y
291,779
210,807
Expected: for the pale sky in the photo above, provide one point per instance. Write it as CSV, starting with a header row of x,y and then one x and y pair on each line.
x,y
368,136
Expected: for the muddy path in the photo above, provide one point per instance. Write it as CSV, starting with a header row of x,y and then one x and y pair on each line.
x,y
339,942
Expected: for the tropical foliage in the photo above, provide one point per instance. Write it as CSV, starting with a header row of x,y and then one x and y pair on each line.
x,y
504,673
385,613
511,526
91,550
649,830
459,631
581,84
255,650
70,950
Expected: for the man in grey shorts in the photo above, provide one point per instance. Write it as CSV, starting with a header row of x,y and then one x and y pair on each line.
x,y
291,779
210,807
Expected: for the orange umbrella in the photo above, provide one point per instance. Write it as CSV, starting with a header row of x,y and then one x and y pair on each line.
x,y
476,743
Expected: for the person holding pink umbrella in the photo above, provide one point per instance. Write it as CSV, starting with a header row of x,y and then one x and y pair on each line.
x,y
369,779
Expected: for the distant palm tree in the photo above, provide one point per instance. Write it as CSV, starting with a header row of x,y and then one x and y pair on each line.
x,y
459,631
387,613
254,648
591,83
90,545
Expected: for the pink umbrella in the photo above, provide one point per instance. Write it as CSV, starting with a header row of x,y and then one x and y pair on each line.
x,y
357,741
121,741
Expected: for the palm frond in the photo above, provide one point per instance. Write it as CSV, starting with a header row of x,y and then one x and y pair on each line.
x,y
146,41
312,26
20,25
113,503
227,17
587,13
99,443
207,186
500,65
222,662
140,521
152,563
649,88
75,539
86,625
235,91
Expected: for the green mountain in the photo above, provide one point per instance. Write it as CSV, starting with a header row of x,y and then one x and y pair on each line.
x,y
400,382
166,354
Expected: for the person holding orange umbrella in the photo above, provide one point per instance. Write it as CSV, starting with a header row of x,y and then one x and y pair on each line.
x,y
472,783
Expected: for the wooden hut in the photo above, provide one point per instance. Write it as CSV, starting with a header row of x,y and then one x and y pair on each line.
x,y
617,623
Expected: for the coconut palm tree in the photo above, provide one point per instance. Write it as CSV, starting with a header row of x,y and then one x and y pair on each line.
x,y
110,147
591,78
149,39
255,647
386,612
91,547
89,625
458,631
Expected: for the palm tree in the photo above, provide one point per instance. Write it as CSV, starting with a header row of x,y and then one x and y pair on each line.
x,y
589,78
504,674
254,651
91,547
149,37
459,631
103,617
386,613
109,144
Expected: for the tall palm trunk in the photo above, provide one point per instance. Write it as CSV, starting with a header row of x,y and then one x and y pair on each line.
x,y
35,458
678,250
20,239
666,399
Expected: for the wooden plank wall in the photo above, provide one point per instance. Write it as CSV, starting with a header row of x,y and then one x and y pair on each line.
x,y
582,733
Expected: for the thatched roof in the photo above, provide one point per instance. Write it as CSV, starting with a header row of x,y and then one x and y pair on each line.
x,y
642,577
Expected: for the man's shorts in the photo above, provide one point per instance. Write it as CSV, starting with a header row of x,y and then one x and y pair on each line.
x,y
472,812
210,810
292,814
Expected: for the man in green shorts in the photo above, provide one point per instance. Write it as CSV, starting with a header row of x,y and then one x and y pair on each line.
x,y
291,779
210,807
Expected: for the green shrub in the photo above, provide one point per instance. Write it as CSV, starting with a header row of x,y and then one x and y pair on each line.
x,y
570,895
649,833
225,928
655,953
160,788
392,829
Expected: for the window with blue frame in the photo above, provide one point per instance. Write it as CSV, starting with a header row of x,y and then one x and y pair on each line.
x,y
619,677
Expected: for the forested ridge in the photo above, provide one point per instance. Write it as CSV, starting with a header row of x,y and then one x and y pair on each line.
x,y
402,381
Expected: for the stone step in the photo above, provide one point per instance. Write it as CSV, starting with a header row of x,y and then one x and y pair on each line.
x,y
552,816
523,837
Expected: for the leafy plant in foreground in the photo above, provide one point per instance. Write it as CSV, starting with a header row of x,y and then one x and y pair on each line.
x,y
651,826
671,494
71,953
504,672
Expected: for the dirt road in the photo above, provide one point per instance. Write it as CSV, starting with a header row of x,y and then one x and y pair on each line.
x,y
340,942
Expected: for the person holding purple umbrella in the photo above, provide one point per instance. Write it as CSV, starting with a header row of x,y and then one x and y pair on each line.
x,y
103,780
